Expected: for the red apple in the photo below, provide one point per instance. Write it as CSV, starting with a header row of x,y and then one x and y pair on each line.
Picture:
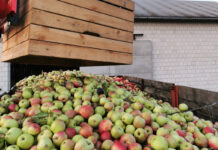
x,y
127,139
70,132
118,146
208,130
213,142
34,129
105,136
71,113
13,107
85,130
105,125
86,111
134,146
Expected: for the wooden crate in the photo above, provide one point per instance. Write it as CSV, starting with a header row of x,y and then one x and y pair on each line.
x,y
69,32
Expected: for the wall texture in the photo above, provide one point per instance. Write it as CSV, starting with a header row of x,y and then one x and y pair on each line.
x,y
4,75
185,54
141,67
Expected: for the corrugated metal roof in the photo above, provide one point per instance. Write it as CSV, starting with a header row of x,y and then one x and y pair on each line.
x,y
175,9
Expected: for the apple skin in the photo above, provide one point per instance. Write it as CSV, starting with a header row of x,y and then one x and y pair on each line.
x,y
134,146
13,147
67,145
25,141
161,120
70,132
130,129
86,130
127,139
34,129
105,136
186,146
10,123
162,131
139,122
183,107
127,118
159,142
59,137
147,117
58,125
95,120
213,142
44,143
118,146
208,130
105,125
46,133
12,135
86,111
201,141
71,114
107,145
13,107
24,103
140,135
84,144
117,132
172,142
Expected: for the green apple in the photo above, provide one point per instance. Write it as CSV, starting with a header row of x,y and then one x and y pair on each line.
x,y
24,103
100,110
94,120
159,143
127,118
161,120
84,144
183,107
58,104
117,132
67,145
13,147
58,125
12,135
44,144
25,141
10,123
130,129
77,137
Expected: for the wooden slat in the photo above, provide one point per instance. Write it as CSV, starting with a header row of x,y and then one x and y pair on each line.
x,y
105,8
17,39
72,38
65,9
128,4
24,22
41,48
57,21
15,52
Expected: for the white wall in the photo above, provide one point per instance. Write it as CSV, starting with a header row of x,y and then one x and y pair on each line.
x,y
185,54
4,75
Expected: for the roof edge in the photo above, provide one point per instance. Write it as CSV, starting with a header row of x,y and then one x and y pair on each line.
x,y
177,19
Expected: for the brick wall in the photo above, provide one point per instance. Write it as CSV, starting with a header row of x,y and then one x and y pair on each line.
x,y
4,75
183,53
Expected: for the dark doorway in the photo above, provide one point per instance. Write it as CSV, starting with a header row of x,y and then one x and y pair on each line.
x,y
20,71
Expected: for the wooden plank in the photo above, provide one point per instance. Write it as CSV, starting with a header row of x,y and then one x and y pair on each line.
x,y
15,52
128,4
42,48
66,37
65,9
17,39
104,8
24,22
57,21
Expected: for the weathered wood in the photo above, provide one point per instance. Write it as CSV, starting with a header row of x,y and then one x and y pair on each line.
x,y
75,26
101,7
41,48
70,24
82,13
22,36
122,3
72,38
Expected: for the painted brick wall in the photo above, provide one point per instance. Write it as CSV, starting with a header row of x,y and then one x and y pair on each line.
x,y
185,54
4,75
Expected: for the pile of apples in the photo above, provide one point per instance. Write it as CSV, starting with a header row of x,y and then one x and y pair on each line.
x,y
71,110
